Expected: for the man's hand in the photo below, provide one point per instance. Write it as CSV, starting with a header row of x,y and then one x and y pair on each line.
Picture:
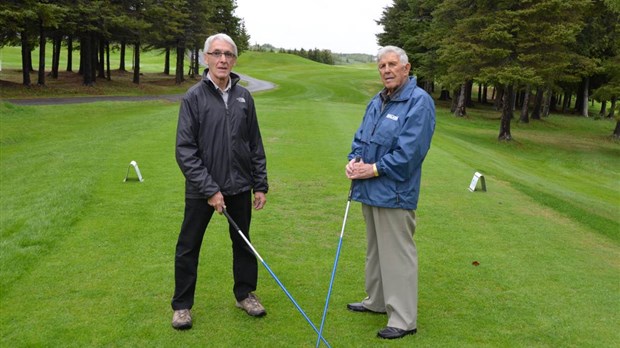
x,y
217,202
359,170
259,200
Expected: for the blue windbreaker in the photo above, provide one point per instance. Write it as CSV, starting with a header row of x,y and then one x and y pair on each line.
x,y
397,139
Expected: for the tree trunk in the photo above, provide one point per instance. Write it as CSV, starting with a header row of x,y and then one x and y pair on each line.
x,y
192,67
469,85
617,130
56,55
136,63
507,114
197,61
121,66
25,59
513,101
461,106
455,99
546,102
579,99
93,57
179,78
70,53
568,96
603,108
85,61
41,79
485,89
101,61
499,96
537,104
444,94
524,118
584,110
107,57
554,102
612,108
167,62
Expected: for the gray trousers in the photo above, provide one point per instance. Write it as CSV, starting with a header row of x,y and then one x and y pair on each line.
x,y
392,265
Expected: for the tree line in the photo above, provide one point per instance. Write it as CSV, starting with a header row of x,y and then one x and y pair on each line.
x,y
543,52
94,27
318,55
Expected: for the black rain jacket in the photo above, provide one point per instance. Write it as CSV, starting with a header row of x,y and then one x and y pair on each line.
x,y
220,148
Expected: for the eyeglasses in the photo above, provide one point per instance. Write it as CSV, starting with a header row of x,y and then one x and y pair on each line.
x,y
219,54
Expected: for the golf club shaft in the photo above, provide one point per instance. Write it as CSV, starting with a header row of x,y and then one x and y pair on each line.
x,y
331,281
232,222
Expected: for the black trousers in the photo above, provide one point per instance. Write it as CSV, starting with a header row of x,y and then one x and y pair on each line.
x,y
198,213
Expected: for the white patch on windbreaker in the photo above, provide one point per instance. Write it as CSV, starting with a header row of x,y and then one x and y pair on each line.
x,y
392,117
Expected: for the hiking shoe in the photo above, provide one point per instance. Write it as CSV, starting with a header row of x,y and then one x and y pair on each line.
x,y
252,306
182,319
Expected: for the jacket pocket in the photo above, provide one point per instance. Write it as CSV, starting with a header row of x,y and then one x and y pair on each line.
x,y
386,132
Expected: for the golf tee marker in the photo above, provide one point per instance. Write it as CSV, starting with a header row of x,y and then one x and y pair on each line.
x,y
133,164
474,182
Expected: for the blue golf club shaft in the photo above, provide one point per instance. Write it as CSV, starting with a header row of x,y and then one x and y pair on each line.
x,y
232,222
331,282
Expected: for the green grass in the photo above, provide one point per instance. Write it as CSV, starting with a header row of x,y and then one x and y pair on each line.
x,y
87,260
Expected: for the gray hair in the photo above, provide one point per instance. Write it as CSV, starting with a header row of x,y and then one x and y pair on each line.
x,y
393,49
222,37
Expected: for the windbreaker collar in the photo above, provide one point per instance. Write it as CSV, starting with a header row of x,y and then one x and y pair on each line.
x,y
234,78
404,88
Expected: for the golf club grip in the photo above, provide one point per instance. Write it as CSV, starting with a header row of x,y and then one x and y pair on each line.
x,y
232,222
357,159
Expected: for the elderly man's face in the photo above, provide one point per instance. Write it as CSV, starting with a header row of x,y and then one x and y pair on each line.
x,y
393,72
220,67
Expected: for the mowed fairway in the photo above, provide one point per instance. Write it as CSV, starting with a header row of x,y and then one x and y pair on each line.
x,y
87,260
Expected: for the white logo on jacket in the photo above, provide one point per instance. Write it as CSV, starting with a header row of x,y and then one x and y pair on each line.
x,y
241,100
392,117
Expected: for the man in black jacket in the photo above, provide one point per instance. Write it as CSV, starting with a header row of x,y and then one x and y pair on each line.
x,y
220,152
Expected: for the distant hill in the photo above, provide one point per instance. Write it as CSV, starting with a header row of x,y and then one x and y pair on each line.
x,y
352,58
318,55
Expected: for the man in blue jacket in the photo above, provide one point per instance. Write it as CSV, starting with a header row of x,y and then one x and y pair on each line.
x,y
392,142
220,152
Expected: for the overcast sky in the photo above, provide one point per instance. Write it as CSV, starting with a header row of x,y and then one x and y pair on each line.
x,y
342,26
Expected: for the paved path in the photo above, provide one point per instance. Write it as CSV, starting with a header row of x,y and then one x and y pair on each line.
x,y
253,85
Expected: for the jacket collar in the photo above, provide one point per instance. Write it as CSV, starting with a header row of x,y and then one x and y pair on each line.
x,y
234,79
401,93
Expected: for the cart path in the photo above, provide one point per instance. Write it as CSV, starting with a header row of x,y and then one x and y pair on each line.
x,y
253,85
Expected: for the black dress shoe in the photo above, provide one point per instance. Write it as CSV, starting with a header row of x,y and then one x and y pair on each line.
x,y
358,307
394,332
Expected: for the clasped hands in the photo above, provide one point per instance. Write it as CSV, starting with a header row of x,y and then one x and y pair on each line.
x,y
359,170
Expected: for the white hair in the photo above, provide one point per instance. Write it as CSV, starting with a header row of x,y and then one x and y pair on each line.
x,y
393,49
222,37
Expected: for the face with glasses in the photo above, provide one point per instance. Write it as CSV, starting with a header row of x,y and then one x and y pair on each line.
x,y
220,58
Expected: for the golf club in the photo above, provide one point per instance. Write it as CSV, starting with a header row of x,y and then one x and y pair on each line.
x,y
331,282
232,222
